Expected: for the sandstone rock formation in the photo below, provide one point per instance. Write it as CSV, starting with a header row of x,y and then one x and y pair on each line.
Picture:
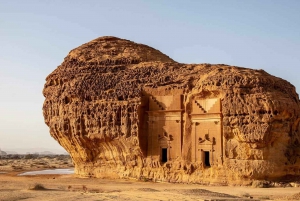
x,y
123,109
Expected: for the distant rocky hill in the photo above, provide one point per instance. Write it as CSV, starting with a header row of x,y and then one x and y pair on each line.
x,y
3,153
123,109
35,151
46,153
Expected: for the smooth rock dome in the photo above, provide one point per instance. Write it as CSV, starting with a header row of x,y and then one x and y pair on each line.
x,y
123,109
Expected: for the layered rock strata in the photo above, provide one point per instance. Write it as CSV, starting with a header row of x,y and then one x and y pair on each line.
x,y
123,109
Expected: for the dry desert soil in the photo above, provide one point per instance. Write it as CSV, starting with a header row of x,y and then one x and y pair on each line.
x,y
70,187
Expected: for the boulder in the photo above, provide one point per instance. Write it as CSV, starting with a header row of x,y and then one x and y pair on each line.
x,y
123,109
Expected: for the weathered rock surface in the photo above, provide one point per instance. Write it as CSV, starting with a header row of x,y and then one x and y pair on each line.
x,y
123,109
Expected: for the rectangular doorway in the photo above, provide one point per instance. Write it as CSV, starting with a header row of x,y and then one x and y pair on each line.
x,y
206,158
164,155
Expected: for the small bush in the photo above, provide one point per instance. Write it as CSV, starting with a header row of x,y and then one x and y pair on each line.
x,y
84,188
261,184
37,187
264,198
145,179
247,195
31,156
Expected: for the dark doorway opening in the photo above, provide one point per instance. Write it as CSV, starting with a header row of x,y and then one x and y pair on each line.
x,y
164,155
206,159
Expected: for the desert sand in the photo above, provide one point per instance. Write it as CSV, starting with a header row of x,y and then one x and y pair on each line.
x,y
71,187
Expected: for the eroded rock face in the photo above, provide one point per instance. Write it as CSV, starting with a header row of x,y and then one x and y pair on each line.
x,y
123,109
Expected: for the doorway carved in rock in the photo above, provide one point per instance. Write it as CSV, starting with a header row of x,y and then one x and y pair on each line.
x,y
207,138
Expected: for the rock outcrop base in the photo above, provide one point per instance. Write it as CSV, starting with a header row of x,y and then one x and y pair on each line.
x,y
123,109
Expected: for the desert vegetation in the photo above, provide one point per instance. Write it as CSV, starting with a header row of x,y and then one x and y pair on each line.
x,y
24,162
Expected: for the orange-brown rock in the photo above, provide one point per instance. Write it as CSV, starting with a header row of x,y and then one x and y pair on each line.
x,y
123,109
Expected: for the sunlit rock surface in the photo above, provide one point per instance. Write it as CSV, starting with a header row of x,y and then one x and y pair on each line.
x,y
123,109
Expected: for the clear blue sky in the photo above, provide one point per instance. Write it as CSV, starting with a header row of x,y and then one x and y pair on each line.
x,y
36,35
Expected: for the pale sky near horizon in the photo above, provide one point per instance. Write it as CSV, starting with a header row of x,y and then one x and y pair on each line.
x,y
36,35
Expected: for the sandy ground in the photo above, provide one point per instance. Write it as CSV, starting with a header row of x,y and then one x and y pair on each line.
x,y
70,187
